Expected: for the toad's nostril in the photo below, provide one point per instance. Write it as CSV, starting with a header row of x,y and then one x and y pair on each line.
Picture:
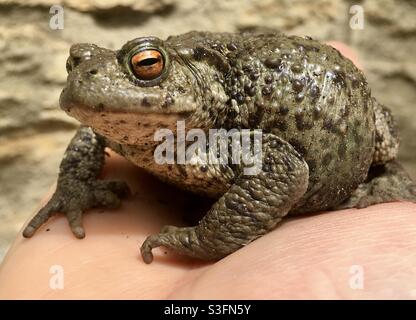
x,y
69,65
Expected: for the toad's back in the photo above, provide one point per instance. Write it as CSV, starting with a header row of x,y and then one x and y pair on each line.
x,y
308,94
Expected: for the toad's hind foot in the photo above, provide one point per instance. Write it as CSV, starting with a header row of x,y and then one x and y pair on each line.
x,y
385,183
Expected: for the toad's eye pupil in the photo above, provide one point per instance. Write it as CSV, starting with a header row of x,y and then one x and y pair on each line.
x,y
147,64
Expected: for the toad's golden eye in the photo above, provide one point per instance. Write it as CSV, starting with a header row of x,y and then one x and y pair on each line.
x,y
147,64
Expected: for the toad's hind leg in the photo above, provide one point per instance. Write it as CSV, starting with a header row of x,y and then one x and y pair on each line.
x,y
250,208
385,183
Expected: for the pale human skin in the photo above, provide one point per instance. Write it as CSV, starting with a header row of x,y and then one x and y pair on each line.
x,y
349,254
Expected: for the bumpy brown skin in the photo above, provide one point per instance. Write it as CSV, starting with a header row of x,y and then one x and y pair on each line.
x,y
78,188
321,132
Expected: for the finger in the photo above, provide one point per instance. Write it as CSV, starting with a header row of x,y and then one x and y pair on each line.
x,y
75,222
40,218
347,52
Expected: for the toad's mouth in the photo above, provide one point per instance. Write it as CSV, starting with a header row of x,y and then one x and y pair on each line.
x,y
125,127
108,99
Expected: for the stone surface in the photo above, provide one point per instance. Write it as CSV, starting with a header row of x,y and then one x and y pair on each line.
x,y
34,132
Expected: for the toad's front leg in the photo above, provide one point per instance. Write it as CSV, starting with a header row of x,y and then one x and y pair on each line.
x,y
78,188
249,209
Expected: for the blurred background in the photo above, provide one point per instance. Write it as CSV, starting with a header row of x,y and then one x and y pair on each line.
x,y
34,131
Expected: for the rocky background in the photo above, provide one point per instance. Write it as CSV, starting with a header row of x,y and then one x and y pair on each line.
x,y
34,132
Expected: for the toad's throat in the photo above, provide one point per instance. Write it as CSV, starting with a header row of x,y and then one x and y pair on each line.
x,y
125,127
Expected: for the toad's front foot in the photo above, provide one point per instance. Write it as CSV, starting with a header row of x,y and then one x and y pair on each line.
x,y
78,188
73,197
